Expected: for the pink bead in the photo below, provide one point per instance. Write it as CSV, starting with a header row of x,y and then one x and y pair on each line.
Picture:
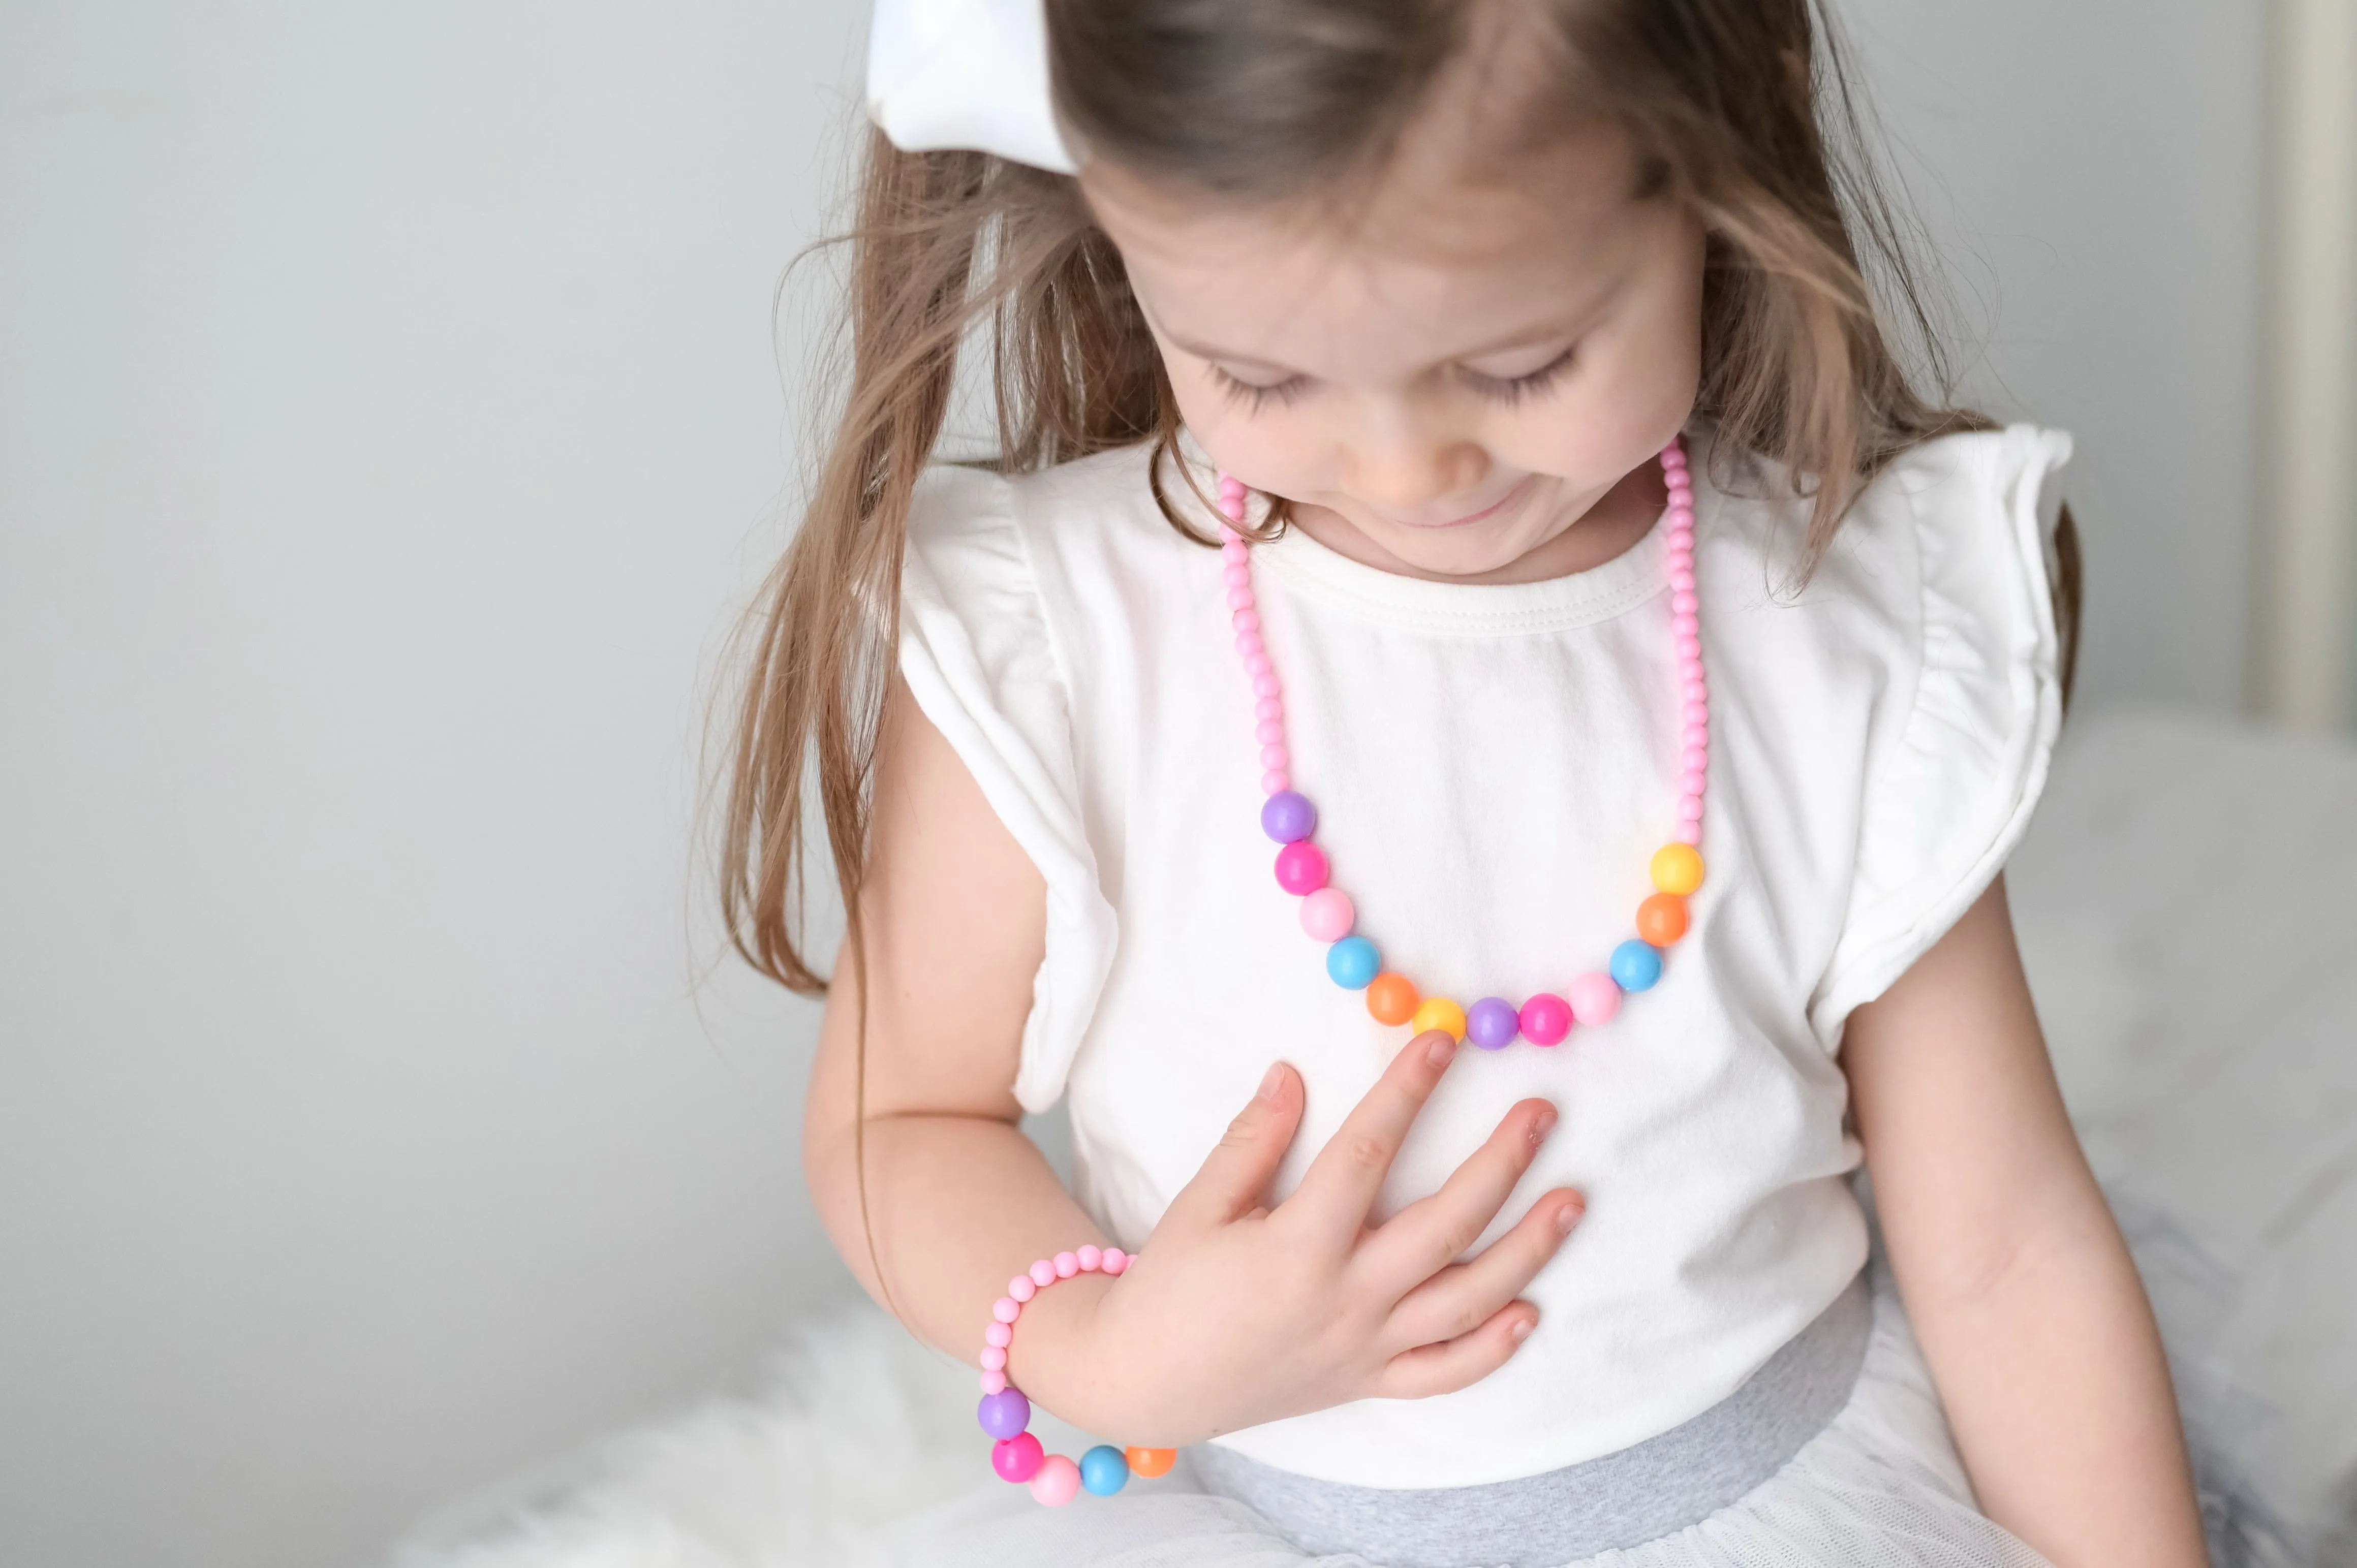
x,y
1116,1260
993,1382
1067,1265
1594,999
1327,915
1233,552
1007,1309
1684,604
1546,1019
1686,629
1689,648
1090,1257
1691,684
1268,732
1240,599
1237,576
1233,507
1693,782
1258,663
1231,486
1688,832
1022,1287
1269,708
1229,536
1683,580
1265,685
1674,456
1697,735
1697,713
1694,758
1690,808
994,1358
1043,1274
998,1334
1301,869
1275,781
1274,756
1246,620
1058,1481
1680,538
1017,1459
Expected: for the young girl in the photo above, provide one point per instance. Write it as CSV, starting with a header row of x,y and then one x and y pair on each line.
x,y
1451,447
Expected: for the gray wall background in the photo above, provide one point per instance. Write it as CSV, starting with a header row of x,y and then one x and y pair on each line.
x,y
389,426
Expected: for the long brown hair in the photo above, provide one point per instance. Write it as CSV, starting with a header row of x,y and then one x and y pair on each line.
x,y
1818,344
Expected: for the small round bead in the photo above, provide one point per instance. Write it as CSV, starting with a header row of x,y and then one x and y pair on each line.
x,y
1594,999
1022,1287
993,1382
1043,1274
1328,914
1091,1257
1696,712
1697,735
1301,867
1150,1462
1352,963
1677,868
1662,919
1689,646
1682,580
1007,1309
1392,998
1067,1265
1104,1471
1004,1414
1492,1023
1058,1481
1275,781
1690,810
1017,1459
999,1336
1230,536
1268,732
1684,604
1693,759
1244,621
1692,684
1116,1260
1546,1019
1258,664
1674,456
1240,597
1269,708
1236,574
1233,552
1266,685
1289,817
1249,643
1687,627
1688,832
1692,783
1275,756
1439,1013
993,1359
1636,966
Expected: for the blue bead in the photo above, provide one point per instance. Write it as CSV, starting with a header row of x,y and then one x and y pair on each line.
x,y
1636,966
1288,817
1104,1470
1352,963
1492,1023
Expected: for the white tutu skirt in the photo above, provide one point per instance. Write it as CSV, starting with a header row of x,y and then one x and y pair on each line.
x,y
1881,1485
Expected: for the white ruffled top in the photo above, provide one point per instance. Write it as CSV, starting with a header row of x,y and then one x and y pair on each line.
x,y
1494,766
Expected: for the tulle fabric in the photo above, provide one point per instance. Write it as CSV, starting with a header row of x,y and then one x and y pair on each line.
x,y
1881,1484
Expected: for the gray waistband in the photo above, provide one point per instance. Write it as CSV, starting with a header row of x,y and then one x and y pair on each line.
x,y
1640,1494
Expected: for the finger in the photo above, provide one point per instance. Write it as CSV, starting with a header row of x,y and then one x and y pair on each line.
x,y
1433,1233
1234,1178
1461,1297
1453,1364
1342,1181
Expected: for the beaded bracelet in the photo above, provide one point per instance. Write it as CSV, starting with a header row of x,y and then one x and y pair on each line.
x,y
1006,1414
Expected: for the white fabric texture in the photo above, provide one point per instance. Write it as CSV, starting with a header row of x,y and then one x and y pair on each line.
x,y
969,75
1494,767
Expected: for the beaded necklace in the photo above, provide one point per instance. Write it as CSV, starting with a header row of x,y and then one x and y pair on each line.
x,y
1329,916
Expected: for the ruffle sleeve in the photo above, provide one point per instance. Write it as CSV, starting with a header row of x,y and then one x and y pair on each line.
x,y
977,654
1953,788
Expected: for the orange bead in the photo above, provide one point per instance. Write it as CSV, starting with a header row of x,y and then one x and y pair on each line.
x,y
1392,998
1662,919
1150,1462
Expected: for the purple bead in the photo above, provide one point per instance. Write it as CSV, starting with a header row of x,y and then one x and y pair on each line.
x,y
1004,1414
1492,1024
1289,817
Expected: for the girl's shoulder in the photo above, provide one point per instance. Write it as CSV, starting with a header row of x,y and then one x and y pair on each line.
x,y
1100,504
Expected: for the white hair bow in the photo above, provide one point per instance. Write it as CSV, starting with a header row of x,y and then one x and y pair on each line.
x,y
970,74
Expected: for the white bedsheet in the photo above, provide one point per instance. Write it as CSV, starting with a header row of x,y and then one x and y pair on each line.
x,y
2188,906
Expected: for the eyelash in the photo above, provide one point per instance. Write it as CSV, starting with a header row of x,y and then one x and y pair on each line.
x,y
1509,390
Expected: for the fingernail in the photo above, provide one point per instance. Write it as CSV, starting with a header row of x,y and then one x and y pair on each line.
x,y
1520,1330
1543,1125
1440,1051
1271,1081
1565,1217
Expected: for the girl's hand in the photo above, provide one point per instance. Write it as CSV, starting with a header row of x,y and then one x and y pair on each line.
x,y
1238,1314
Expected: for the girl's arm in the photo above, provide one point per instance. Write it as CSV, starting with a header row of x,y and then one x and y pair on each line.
x,y
2021,1290
1238,1312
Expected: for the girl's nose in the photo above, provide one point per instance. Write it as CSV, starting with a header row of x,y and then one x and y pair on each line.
x,y
1403,473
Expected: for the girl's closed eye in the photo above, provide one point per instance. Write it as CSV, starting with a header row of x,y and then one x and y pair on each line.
x,y
1255,396
1510,389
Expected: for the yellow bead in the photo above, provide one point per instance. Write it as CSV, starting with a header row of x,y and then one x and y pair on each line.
x,y
1677,868
1439,1013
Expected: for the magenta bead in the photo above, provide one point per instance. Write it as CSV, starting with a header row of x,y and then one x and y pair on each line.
x,y
1017,1459
1058,1481
1289,817
1007,1309
1090,1258
1275,781
1546,1019
1492,1023
1022,1287
1004,1414
993,1359
1594,999
1067,1264
1301,869
1328,914
1116,1260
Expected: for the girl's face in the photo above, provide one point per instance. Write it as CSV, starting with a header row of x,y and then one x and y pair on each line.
x,y
1467,381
